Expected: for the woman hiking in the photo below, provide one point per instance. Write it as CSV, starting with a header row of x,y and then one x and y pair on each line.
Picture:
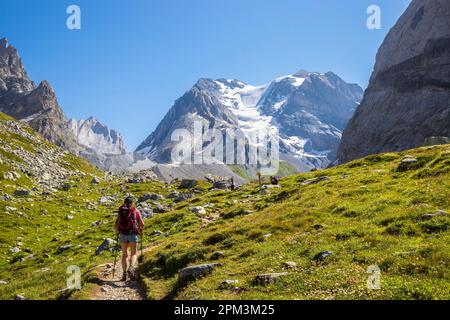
x,y
129,226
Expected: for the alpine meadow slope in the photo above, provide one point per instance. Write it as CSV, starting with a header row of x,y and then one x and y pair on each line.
x,y
389,210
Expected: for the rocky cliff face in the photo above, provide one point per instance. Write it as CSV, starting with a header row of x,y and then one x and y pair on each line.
x,y
93,134
35,105
309,110
408,98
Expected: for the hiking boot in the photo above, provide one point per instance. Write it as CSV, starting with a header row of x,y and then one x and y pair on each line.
x,y
132,274
124,277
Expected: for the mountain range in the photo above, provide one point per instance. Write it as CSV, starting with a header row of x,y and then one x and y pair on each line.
x,y
308,109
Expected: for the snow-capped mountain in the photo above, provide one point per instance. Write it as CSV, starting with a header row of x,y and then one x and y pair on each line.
x,y
95,135
309,109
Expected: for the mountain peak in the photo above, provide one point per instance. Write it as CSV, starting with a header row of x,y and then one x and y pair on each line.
x,y
301,74
3,43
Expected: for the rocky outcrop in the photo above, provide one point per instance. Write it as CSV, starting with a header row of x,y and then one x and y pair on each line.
x,y
21,99
408,98
95,135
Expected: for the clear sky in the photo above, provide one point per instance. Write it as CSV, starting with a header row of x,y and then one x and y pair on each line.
x,y
133,58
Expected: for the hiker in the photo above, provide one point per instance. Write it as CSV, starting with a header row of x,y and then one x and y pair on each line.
x,y
232,185
129,226
274,180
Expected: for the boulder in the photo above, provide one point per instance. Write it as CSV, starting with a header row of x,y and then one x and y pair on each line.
x,y
195,272
155,233
65,187
107,244
270,186
228,284
289,265
173,195
184,197
151,196
321,256
221,185
217,255
269,278
22,193
64,248
159,208
95,180
430,216
187,183
315,180
408,163
198,210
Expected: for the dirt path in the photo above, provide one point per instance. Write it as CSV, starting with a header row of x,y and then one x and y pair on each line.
x,y
109,288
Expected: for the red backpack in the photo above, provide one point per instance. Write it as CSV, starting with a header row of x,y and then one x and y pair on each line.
x,y
127,220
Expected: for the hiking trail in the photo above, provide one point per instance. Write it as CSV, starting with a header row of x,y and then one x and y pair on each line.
x,y
108,288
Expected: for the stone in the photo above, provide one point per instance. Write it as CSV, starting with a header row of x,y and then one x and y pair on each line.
x,y
430,216
183,197
407,164
187,183
97,223
321,256
315,180
269,278
106,245
198,210
65,187
155,233
9,176
289,265
270,186
217,255
3,282
228,284
151,196
173,195
159,208
22,193
19,297
14,250
95,180
195,272
69,217
64,248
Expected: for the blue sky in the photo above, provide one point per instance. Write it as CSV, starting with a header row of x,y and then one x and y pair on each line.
x,y
133,58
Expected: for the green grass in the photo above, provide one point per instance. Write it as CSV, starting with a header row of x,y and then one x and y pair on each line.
x,y
367,214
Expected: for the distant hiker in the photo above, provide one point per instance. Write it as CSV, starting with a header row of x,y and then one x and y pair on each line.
x,y
274,180
129,226
232,185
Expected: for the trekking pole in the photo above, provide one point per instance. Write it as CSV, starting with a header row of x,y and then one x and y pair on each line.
x,y
115,257
142,243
